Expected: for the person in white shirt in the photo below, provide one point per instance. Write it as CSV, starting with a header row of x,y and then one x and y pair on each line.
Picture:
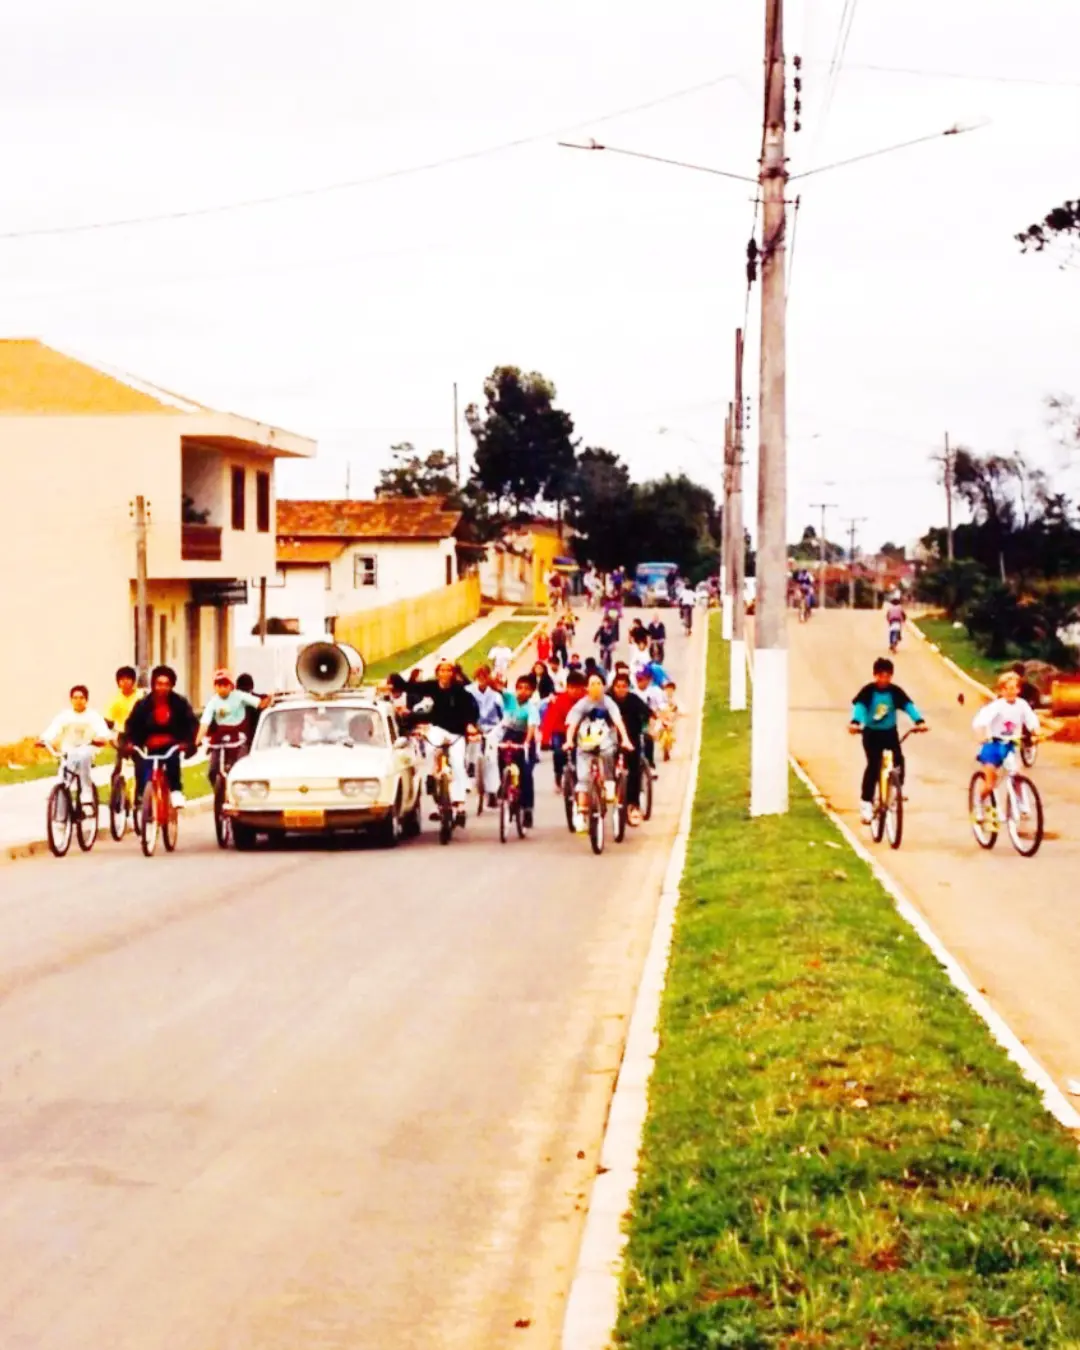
x,y
500,657
1000,725
74,734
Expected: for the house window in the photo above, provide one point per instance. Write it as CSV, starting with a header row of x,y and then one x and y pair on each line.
x,y
239,504
365,570
262,503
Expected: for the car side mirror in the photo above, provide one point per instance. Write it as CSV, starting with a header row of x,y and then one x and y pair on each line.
x,y
402,743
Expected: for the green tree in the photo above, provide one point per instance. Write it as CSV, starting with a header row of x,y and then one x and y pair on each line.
x,y
601,508
675,520
525,449
413,475
1062,224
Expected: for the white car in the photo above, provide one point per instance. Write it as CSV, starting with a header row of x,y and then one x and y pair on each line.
x,y
323,765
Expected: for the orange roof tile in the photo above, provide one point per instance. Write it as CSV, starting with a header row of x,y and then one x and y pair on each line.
x,y
35,379
385,518
308,550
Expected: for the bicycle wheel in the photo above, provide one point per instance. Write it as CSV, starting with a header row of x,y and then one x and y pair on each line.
x,y
597,823
87,821
985,837
519,812
894,811
446,810
222,823
1029,749
170,825
118,809
1024,816
59,820
646,791
877,820
619,811
148,836
506,788
569,785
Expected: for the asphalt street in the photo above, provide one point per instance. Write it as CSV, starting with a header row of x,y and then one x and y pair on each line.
x,y
314,1097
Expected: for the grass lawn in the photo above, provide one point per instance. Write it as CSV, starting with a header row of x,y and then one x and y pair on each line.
x,y
837,1154
512,631
955,643
45,769
411,656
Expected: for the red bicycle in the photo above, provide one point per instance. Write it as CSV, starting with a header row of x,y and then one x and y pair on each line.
x,y
510,808
159,815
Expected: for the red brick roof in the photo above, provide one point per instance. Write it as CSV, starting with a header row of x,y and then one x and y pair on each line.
x,y
387,518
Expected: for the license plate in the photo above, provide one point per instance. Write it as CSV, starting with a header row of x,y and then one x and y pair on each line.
x,y
305,820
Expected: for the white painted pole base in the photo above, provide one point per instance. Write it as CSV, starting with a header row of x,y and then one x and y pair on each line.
x,y
727,617
769,733
737,678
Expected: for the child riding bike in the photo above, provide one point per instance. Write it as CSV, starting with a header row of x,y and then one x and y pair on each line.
x,y
873,715
1000,725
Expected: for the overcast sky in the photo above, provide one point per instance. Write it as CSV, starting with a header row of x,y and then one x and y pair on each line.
x,y
348,314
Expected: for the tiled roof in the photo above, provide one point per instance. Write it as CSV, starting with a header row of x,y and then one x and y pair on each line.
x,y
386,518
35,378
308,551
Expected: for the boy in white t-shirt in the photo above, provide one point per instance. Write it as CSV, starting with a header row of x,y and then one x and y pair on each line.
x,y
999,725
500,657
75,733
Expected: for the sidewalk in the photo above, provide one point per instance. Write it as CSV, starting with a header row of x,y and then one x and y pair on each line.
x,y
468,637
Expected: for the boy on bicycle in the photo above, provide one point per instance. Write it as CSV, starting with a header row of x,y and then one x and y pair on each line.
x,y
225,716
873,714
521,728
1000,724
74,735
119,710
597,715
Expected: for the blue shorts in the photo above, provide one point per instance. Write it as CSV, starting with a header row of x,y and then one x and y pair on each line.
x,y
994,753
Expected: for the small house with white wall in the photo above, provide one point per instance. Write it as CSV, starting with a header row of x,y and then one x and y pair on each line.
x,y
339,557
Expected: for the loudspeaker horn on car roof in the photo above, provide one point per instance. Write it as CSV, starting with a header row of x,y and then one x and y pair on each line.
x,y
329,667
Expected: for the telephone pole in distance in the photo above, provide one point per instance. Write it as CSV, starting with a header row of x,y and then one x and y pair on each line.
x,y
737,545
853,523
823,548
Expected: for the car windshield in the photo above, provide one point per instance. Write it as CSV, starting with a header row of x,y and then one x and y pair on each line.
x,y
323,725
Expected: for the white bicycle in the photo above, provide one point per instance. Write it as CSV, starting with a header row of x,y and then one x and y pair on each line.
x,y
1014,800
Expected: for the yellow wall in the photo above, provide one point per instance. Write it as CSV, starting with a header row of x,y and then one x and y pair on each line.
x,y
376,633
546,547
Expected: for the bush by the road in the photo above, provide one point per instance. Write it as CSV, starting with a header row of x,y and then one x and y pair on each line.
x,y
837,1152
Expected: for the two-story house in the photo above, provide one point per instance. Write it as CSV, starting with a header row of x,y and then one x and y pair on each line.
x,y
79,447
340,557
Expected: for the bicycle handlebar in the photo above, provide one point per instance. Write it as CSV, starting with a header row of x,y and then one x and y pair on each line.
x,y
156,758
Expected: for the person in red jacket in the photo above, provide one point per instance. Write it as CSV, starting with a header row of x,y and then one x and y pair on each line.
x,y
543,646
553,725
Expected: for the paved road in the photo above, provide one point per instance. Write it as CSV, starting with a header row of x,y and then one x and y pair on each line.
x,y
1012,922
309,1099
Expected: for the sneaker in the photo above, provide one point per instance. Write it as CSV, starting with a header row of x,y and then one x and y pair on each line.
x,y
493,801
579,822
460,816
866,812
528,820
609,791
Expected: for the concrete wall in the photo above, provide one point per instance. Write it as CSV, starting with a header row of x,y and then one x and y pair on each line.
x,y
67,553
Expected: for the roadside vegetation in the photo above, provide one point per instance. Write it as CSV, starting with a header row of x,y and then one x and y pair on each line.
x,y
511,632
837,1153
410,657
958,645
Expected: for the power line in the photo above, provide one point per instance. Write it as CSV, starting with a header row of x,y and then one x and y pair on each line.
x,y
299,194
887,150
836,61
791,248
967,75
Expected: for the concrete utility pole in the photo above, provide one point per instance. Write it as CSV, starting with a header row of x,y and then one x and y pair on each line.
x,y
457,440
737,547
726,606
142,609
769,725
948,495
823,545
853,523
262,611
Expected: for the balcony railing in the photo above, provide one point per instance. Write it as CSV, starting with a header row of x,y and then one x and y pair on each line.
x,y
200,543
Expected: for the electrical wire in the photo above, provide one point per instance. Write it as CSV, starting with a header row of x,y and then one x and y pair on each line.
x,y
836,61
962,75
791,247
299,194
886,150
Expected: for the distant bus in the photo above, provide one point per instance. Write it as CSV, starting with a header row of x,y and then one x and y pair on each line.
x,y
654,580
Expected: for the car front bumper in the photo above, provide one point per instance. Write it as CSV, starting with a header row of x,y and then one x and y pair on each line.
x,y
308,820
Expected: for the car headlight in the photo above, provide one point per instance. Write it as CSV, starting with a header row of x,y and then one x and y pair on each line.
x,y
247,790
363,789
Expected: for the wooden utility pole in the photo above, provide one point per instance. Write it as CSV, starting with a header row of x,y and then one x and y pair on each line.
x,y
457,440
726,606
853,523
262,611
823,550
769,726
737,546
948,496
142,610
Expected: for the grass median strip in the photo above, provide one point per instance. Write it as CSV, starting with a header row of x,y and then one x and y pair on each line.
x,y
412,656
508,633
837,1153
958,646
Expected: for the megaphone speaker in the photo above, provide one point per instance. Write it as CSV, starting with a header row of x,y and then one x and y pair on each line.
x,y
328,667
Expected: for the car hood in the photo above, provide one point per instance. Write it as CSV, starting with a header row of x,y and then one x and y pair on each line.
x,y
315,761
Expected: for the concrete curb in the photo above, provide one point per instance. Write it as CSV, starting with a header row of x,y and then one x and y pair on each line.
x,y
983,689
34,848
1053,1098
593,1304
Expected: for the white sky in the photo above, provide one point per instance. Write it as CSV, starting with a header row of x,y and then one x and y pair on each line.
x,y
348,315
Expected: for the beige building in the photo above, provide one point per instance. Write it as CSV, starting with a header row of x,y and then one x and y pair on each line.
x,y
78,446
341,557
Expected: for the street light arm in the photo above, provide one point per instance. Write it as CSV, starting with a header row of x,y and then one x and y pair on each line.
x,y
888,149
657,159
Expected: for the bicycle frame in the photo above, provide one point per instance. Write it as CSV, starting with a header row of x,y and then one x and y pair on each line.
x,y
162,813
